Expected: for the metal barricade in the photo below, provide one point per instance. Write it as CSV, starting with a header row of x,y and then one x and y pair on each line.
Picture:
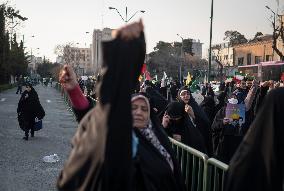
x,y
192,163
215,175
200,172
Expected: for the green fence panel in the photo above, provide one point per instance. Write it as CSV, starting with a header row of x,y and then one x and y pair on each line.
x,y
192,164
215,175
200,172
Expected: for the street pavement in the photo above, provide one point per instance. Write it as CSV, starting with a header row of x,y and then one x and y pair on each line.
x,y
21,162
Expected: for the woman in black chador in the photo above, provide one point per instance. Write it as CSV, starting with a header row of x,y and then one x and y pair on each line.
x,y
197,116
29,108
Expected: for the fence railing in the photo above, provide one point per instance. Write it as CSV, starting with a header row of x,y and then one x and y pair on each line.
x,y
66,98
200,172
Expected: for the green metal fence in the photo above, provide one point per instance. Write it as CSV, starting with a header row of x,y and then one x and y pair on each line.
x,y
215,175
200,172
66,98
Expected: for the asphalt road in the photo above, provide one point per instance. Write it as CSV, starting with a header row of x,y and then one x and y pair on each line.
x,y
21,164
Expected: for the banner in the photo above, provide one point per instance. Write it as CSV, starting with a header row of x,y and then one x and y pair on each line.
x,y
236,113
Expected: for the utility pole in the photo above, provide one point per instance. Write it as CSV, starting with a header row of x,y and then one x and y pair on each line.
x,y
182,58
210,43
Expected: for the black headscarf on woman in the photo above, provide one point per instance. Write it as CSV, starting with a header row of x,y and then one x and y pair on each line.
x,y
208,106
201,120
190,135
198,112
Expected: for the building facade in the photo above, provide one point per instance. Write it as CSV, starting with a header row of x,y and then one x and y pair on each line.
x,y
79,59
98,37
34,62
255,51
223,53
197,48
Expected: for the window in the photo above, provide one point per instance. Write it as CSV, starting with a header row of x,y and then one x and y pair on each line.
x,y
241,61
248,59
268,58
231,56
226,57
257,59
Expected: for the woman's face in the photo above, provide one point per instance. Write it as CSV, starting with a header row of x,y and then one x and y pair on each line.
x,y
140,113
185,96
28,88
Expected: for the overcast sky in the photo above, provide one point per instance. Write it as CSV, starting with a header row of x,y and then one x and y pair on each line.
x,y
54,22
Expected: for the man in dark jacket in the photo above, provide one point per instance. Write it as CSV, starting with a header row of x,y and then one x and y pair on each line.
x,y
20,83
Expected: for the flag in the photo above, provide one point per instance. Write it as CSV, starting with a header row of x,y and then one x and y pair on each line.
x,y
163,81
165,76
144,69
239,76
194,86
188,79
140,78
282,77
147,75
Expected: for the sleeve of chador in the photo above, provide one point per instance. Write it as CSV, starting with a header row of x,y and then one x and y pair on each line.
x,y
77,98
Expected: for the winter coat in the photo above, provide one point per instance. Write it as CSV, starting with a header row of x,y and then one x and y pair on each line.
x,y
29,108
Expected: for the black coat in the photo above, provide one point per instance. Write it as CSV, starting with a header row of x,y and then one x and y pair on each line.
x,y
29,108
258,162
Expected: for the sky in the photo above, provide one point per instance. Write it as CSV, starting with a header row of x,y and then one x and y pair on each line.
x,y
55,22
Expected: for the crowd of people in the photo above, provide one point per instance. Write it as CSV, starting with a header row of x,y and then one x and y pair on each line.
x,y
122,142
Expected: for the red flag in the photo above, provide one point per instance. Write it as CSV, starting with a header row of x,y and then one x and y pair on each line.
x,y
144,69
282,76
148,77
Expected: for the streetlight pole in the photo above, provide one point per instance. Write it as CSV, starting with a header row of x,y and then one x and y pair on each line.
x,y
32,56
182,56
126,20
210,43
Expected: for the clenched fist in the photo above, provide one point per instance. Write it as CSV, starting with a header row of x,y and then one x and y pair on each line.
x,y
67,78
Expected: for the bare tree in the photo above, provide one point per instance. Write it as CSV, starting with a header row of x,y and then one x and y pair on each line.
x,y
278,32
68,52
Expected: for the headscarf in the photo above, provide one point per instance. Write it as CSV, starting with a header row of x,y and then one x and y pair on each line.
x,y
143,97
33,94
175,109
198,112
149,133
